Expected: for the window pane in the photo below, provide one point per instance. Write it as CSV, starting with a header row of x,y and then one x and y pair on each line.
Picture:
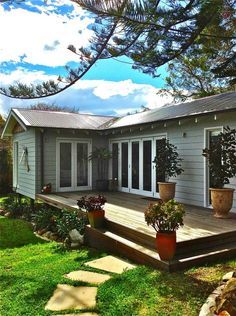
x,y
147,165
115,150
65,165
160,174
82,164
124,163
135,165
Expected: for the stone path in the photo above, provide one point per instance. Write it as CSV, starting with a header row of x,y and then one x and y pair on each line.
x,y
67,297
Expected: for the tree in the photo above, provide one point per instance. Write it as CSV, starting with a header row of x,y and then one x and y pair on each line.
x,y
190,76
53,107
151,33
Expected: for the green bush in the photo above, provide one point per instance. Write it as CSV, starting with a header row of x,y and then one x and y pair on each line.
x,y
70,220
5,171
45,218
12,206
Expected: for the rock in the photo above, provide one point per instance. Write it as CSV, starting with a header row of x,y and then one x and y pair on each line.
x,y
76,237
47,234
8,214
75,245
228,276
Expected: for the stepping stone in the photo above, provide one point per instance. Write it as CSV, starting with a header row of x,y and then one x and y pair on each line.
x,y
71,297
86,276
111,264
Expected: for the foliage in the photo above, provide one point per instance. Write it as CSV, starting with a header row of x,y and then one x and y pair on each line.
x,y
101,156
53,107
190,76
165,217
12,206
167,159
92,203
225,301
221,157
45,218
150,33
70,220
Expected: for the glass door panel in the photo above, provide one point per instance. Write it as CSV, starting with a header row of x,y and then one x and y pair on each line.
x,y
135,165
147,165
82,164
115,152
124,164
65,165
160,175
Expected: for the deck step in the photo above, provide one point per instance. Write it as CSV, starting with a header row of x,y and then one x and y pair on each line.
x,y
111,242
183,247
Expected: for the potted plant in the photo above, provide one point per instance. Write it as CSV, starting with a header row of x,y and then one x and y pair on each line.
x,y
165,218
94,207
221,158
168,164
102,157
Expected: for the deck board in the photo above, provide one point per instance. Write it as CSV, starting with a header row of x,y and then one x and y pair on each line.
x,y
128,210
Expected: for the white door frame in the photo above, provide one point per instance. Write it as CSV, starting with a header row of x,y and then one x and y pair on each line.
x,y
73,142
206,168
129,140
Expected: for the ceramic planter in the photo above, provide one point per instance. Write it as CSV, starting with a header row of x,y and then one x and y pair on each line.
x,y
166,190
96,218
222,201
166,245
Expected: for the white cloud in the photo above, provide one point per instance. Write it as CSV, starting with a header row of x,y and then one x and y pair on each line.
x,y
91,96
27,34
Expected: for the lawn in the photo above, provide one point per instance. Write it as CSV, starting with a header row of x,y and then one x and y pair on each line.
x,y
30,271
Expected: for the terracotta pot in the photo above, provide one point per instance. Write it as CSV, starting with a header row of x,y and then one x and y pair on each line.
x,y
166,245
166,190
96,218
222,201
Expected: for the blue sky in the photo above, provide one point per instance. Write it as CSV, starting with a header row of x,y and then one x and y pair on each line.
x,y
35,49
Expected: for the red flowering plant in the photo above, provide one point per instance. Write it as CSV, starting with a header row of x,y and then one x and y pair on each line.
x,y
92,203
165,217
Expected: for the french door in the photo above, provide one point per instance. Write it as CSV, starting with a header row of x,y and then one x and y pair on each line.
x,y
73,166
134,167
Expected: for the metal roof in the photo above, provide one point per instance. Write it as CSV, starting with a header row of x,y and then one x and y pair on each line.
x,y
212,104
52,119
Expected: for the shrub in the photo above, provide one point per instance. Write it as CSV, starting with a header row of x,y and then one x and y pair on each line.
x,y
165,217
12,206
70,220
45,218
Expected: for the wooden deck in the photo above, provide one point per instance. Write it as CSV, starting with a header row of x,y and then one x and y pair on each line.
x,y
202,238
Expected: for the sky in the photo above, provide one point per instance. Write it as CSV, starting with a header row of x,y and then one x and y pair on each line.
x,y
34,36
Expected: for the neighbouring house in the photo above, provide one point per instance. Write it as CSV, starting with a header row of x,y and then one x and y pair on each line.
x,y
52,147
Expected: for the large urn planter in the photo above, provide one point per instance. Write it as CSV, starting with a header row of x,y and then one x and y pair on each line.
x,y
222,201
96,218
166,245
166,190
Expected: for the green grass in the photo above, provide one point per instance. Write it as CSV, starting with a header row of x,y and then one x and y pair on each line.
x,y
29,275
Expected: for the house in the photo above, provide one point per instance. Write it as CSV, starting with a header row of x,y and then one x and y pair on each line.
x,y
52,147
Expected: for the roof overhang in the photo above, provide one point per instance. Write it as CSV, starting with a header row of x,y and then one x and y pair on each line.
x,y
11,121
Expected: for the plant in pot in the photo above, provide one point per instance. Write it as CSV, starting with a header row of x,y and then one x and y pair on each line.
x,y
165,218
94,207
102,157
221,158
168,164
